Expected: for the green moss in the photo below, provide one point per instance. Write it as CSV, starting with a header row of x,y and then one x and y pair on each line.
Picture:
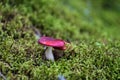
x,y
93,32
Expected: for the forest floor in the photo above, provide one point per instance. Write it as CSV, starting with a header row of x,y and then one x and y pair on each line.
x,y
93,34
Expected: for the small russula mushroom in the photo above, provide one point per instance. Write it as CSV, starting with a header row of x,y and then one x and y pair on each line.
x,y
51,43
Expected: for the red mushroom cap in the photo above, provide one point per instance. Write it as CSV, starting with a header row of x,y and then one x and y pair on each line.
x,y
55,43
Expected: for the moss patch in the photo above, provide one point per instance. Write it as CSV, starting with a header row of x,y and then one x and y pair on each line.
x,y
92,30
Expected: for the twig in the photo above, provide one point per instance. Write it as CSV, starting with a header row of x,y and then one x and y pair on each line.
x,y
1,75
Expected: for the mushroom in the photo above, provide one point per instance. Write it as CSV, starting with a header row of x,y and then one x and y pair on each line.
x,y
51,43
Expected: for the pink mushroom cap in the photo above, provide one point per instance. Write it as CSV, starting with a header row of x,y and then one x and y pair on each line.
x,y
55,43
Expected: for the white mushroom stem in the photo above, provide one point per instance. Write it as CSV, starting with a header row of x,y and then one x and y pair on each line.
x,y
49,54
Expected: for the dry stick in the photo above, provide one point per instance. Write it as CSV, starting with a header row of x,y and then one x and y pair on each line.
x,y
1,75
37,33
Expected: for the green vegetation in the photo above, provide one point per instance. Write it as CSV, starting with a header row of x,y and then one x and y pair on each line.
x,y
91,26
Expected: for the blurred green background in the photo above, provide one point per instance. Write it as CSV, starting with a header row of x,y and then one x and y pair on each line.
x,y
91,26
